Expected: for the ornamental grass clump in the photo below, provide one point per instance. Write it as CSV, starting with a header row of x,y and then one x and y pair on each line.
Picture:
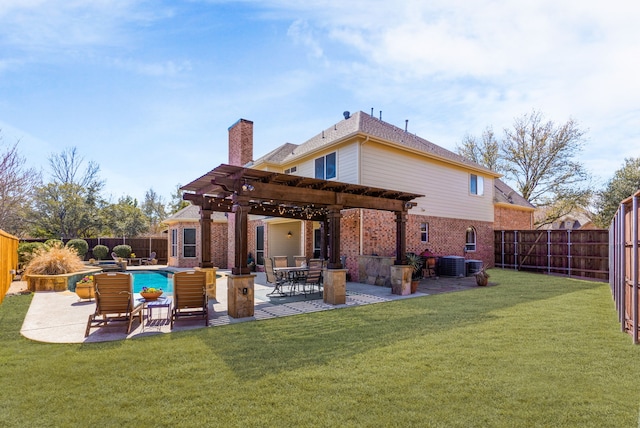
x,y
54,260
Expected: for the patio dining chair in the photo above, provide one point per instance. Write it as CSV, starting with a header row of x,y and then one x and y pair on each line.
x,y
151,260
272,278
300,260
280,261
190,295
114,300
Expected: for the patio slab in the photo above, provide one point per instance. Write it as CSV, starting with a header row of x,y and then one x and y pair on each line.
x,y
60,317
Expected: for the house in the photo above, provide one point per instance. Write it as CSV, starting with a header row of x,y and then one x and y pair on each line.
x,y
454,217
511,210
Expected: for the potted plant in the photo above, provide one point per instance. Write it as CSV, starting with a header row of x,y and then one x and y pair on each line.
x,y
416,262
85,288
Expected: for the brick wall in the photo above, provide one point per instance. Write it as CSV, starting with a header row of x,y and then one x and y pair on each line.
x,y
512,219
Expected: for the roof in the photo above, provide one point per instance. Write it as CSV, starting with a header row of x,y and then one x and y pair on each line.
x,y
192,213
361,123
506,195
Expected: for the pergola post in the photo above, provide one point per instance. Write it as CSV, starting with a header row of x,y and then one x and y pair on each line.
x,y
205,237
333,218
401,237
241,211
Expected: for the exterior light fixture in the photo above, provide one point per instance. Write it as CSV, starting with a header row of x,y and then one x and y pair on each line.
x,y
289,235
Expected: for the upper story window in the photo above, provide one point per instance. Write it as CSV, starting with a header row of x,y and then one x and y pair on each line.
x,y
326,167
424,232
291,170
476,185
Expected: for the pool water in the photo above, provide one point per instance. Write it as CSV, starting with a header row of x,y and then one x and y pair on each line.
x,y
155,279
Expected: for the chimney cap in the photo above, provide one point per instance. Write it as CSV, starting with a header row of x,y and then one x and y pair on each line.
x,y
346,114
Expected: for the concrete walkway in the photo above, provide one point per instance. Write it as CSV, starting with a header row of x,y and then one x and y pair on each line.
x,y
60,317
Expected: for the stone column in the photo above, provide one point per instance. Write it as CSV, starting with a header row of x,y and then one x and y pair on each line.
x,y
401,280
335,286
240,301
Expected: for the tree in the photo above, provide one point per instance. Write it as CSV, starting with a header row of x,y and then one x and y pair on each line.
x,y
69,206
537,156
17,184
625,182
125,218
154,209
486,153
177,203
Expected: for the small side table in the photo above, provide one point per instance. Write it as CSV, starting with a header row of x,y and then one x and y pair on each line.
x,y
160,302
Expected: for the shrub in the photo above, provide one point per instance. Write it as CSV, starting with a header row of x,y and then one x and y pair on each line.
x,y
123,251
54,260
53,242
26,251
101,252
81,246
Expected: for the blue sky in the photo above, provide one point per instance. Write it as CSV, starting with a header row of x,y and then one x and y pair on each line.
x,y
148,89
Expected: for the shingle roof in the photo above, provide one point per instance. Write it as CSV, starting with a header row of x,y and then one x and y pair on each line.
x,y
505,194
363,123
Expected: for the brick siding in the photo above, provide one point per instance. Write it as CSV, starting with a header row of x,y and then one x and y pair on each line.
x,y
512,219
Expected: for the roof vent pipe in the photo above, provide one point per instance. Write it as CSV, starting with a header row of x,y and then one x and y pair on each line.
x,y
406,124
380,114
371,111
346,114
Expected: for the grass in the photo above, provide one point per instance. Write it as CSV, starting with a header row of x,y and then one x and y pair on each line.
x,y
533,351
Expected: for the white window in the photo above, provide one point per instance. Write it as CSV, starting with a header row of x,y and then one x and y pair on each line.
x,y
470,239
326,167
476,185
189,243
174,242
424,232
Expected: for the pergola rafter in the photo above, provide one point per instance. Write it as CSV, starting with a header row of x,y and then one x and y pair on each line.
x,y
245,191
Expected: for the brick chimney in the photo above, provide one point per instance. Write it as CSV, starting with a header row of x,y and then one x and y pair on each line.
x,y
241,142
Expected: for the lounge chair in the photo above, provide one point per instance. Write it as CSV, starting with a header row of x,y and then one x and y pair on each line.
x,y
114,300
190,295
151,260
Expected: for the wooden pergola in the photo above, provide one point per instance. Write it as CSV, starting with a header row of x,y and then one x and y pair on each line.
x,y
243,191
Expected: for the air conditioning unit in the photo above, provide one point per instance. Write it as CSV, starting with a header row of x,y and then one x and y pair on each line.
x,y
451,266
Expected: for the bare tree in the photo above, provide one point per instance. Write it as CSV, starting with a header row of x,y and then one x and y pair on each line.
x,y
17,183
485,153
539,157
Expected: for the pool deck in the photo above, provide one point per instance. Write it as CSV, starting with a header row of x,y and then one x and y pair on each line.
x,y
60,317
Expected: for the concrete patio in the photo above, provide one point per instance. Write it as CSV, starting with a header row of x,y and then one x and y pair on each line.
x,y
60,317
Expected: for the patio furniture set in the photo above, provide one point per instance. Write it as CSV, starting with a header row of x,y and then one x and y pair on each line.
x,y
304,277
115,300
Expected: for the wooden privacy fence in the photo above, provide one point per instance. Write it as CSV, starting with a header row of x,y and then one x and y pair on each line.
x,y
8,261
624,254
579,253
142,247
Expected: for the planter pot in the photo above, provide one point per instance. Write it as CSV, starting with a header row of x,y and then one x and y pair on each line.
x,y
482,280
151,296
401,289
414,285
85,290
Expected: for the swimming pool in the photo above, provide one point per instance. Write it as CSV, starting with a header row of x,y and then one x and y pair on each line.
x,y
155,279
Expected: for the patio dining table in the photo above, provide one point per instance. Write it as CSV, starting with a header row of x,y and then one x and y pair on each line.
x,y
289,276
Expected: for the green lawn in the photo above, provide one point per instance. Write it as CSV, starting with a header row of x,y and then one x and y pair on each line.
x,y
533,351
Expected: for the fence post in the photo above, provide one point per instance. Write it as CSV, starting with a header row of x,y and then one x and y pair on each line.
x,y
634,265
